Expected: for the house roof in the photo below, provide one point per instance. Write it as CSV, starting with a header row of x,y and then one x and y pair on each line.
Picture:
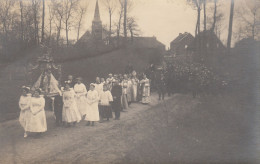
x,y
181,37
209,36
147,42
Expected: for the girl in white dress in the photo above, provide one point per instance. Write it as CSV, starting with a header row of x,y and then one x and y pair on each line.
x,y
135,83
105,100
92,110
80,90
37,122
70,113
98,86
25,114
126,96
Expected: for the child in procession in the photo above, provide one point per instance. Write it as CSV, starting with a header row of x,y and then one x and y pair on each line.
x,y
105,104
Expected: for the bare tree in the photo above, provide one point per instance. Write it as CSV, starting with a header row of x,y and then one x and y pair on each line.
x,y
35,10
125,21
250,17
110,6
59,15
120,13
43,17
205,14
214,15
230,25
215,18
51,16
133,27
81,12
197,5
21,24
5,15
70,7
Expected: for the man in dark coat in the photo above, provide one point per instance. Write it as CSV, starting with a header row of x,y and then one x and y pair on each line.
x,y
161,85
58,105
117,94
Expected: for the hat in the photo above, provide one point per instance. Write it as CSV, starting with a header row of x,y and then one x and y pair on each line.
x,y
92,84
78,78
27,89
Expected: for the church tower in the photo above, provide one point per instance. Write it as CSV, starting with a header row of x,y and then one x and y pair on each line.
x,y
97,24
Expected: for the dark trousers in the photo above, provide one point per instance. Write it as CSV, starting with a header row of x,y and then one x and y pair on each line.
x,y
58,115
117,114
116,105
161,92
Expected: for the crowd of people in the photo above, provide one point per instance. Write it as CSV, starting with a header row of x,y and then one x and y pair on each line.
x,y
114,94
74,103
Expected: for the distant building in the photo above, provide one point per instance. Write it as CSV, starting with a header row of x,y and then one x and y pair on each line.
x,y
148,42
180,44
139,42
96,34
245,42
246,46
207,42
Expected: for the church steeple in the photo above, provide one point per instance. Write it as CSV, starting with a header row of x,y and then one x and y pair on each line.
x,y
97,15
97,28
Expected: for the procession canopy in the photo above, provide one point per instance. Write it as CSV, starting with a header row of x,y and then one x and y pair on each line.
x,y
46,80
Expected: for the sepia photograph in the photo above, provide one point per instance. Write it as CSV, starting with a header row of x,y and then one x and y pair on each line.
x,y
129,81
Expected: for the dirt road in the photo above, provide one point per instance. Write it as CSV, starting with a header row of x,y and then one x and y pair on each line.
x,y
181,129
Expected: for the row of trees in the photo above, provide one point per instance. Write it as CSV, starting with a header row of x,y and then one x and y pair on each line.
x,y
23,23
27,23
122,9
248,18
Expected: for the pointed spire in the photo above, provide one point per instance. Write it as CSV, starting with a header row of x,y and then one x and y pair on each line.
x,y
97,15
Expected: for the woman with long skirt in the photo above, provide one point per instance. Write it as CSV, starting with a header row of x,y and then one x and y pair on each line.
x,y
125,86
146,90
80,90
135,83
25,114
37,122
92,114
70,113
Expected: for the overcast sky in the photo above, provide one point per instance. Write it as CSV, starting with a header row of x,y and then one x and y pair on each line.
x,y
164,19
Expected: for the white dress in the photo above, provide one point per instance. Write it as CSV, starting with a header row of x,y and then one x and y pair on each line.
x,y
37,122
25,114
80,90
105,98
92,109
146,91
135,83
129,91
99,88
70,112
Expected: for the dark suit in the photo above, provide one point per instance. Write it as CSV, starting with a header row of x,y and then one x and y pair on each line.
x,y
58,105
161,86
116,105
